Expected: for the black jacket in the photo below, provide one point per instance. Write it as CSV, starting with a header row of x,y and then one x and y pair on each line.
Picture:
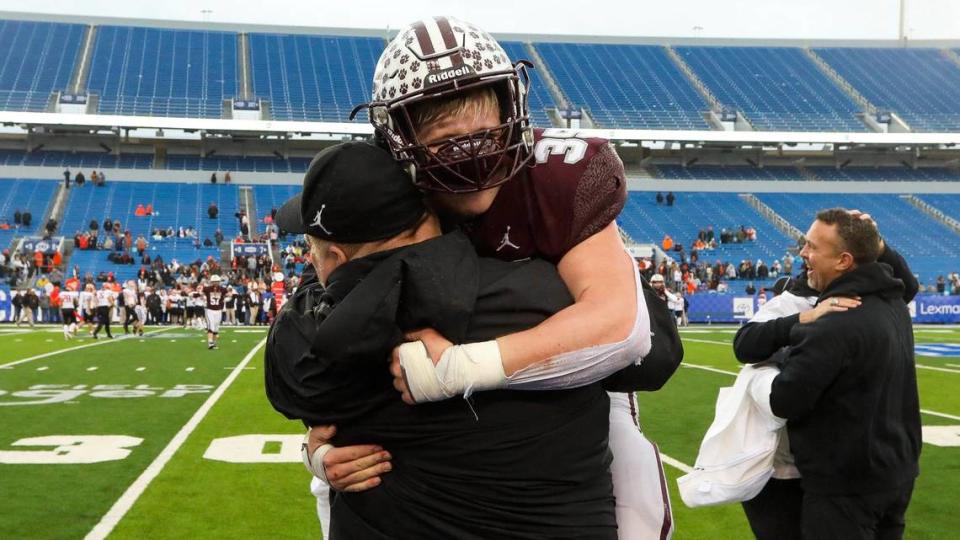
x,y
849,390
505,464
758,341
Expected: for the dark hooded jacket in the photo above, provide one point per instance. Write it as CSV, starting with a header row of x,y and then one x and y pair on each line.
x,y
848,389
503,464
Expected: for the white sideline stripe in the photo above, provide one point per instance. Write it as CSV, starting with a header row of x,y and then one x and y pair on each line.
x,y
708,368
940,414
130,496
715,370
947,370
69,349
727,343
676,464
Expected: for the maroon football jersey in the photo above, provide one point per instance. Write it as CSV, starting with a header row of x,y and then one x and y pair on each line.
x,y
575,189
215,295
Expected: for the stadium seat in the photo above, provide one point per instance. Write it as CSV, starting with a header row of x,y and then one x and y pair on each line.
x,y
36,59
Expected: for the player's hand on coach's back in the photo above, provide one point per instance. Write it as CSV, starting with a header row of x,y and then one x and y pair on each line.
x,y
349,468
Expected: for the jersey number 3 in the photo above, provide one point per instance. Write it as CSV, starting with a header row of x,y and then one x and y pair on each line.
x,y
559,143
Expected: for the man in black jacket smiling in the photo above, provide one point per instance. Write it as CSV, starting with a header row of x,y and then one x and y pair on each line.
x,y
848,388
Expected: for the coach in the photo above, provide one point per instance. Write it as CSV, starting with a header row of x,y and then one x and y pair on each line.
x,y
848,389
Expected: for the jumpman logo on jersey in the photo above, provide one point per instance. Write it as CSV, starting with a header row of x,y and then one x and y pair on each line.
x,y
316,220
506,241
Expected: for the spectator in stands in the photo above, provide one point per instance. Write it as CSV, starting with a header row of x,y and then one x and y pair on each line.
x,y
66,178
108,243
762,271
80,179
670,198
659,198
941,285
4,225
103,179
94,179
218,237
51,226
94,226
17,217
26,219
667,243
227,178
207,242
4,259
141,244
213,178
775,269
788,264
107,225
708,234
212,210
751,289
140,211
150,211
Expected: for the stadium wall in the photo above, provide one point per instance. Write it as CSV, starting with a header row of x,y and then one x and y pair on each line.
x,y
730,308
785,186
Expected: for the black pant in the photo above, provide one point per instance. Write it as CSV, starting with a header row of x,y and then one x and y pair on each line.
x,y
103,320
129,316
69,316
774,514
856,517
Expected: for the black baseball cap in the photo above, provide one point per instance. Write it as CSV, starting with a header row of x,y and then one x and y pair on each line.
x,y
353,192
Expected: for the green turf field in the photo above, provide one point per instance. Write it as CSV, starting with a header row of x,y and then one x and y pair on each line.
x,y
157,437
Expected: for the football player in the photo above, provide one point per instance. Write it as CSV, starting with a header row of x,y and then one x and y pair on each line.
x,y
130,300
105,299
450,105
88,305
214,295
69,299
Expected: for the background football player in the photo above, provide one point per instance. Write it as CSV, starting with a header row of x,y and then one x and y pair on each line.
x,y
213,295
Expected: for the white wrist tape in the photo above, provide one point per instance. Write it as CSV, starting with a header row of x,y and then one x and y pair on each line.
x,y
314,463
462,369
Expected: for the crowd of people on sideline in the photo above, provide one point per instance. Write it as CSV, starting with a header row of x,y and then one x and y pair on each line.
x,y
80,179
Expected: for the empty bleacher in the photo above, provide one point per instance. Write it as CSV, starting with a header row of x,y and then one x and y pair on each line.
x,y
158,72
921,85
236,163
32,196
625,86
313,78
268,197
721,172
36,58
949,204
777,88
76,160
886,174
539,97
929,246
175,205
645,221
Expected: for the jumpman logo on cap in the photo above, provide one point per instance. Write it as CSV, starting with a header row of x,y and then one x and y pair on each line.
x,y
316,220
506,241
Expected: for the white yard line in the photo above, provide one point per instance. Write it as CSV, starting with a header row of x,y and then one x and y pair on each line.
x,y
676,464
711,342
708,368
932,368
940,414
95,343
130,496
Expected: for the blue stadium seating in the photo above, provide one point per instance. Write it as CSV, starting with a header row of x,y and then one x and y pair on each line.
x,y
948,204
77,160
174,204
237,163
268,197
647,222
718,172
155,72
539,97
879,174
36,58
625,86
313,78
929,246
32,196
920,85
778,88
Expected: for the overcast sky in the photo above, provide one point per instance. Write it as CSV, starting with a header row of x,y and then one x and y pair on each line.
x,y
793,19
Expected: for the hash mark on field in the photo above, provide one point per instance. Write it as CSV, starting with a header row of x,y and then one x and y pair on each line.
x,y
49,341
141,368
189,369
42,368
92,368
133,492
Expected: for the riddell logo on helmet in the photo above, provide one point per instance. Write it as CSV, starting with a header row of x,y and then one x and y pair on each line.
x,y
446,75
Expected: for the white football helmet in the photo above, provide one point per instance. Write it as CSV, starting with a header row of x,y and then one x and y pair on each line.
x,y
441,57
